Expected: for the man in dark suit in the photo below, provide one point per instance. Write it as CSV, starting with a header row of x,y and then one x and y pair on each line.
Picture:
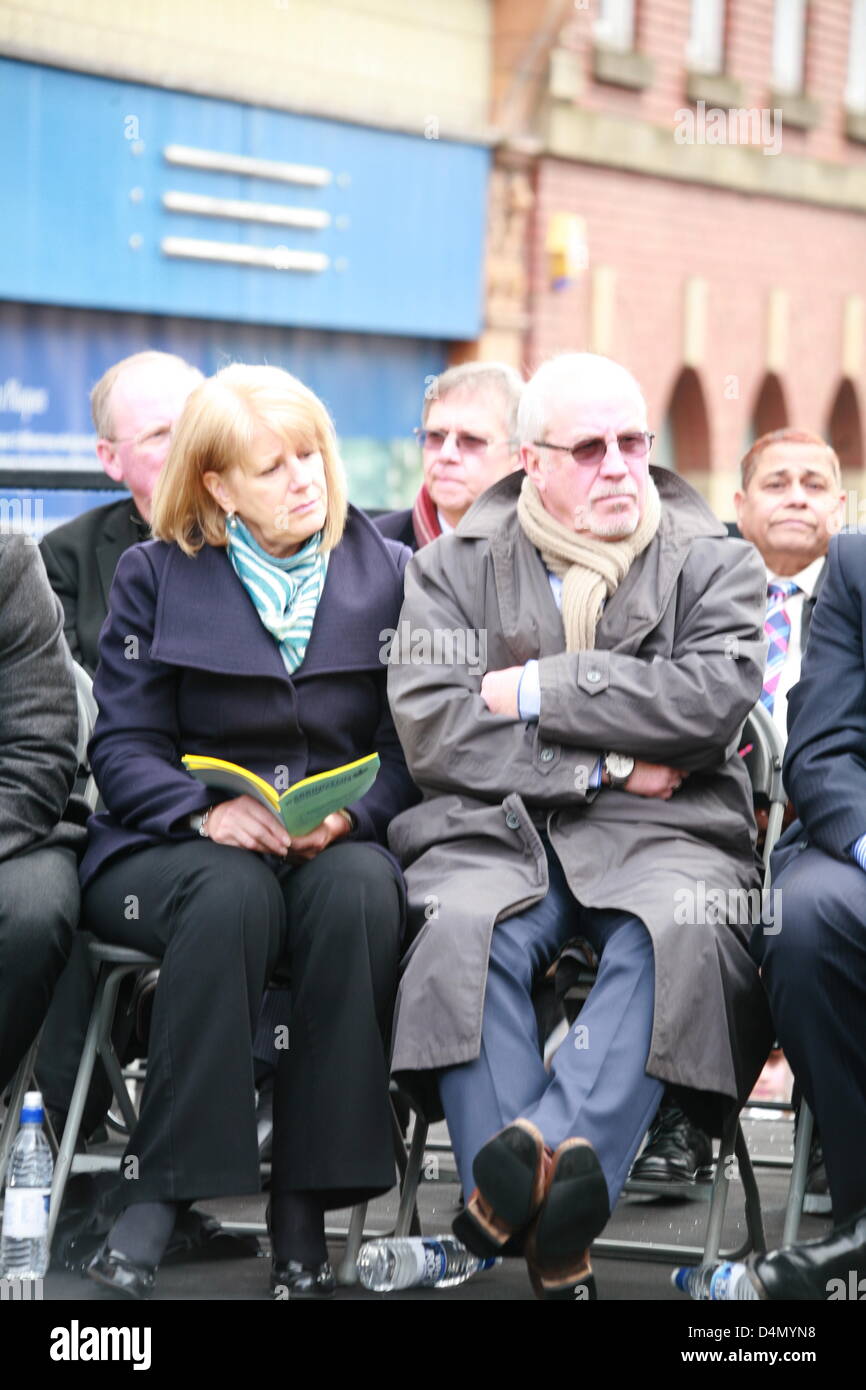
x,y
38,844
135,406
814,968
789,505
468,442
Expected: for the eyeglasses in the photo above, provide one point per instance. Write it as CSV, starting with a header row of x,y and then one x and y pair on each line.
x,y
153,438
590,452
464,443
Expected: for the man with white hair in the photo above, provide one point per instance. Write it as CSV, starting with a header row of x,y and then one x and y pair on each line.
x,y
587,785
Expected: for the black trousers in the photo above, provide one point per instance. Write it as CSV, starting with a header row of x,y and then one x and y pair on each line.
x,y
222,919
38,916
814,968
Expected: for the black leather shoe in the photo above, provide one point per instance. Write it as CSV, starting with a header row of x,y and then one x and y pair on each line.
x,y
122,1276
292,1280
816,1270
676,1152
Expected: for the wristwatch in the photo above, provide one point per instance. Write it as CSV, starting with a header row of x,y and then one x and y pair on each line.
x,y
198,821
619,767
350,817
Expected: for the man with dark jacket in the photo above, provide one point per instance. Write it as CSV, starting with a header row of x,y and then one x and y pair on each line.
x,y
38,733
789,505
815,967
135,407
468,442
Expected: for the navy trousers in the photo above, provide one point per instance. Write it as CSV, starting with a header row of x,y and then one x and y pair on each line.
x,y
597,1088
814,969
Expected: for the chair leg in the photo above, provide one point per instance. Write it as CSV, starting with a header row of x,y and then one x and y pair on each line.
x,y
75,1113
754,1217
799,1175
108,1055
713,1241
19,1086
347,1270
407,1208
104,1004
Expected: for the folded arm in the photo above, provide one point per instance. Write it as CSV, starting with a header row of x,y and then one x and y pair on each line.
x,y
451,740
682,711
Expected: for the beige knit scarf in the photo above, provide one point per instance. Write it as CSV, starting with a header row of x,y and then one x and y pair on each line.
x,y
591,569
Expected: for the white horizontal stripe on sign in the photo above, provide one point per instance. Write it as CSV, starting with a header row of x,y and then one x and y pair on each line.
x,y
276,169
276,214
271,257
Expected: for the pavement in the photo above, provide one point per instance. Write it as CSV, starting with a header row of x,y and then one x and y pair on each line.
x,y
621,1275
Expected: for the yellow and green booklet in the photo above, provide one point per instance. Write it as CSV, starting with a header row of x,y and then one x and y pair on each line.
x,y
302,807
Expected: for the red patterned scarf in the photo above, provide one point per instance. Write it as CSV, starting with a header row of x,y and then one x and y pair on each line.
x,y
425,521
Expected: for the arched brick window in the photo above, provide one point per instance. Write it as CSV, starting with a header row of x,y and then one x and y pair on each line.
x,y
845,429
684,439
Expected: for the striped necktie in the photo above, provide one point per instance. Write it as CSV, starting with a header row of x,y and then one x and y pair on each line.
x,y
777,626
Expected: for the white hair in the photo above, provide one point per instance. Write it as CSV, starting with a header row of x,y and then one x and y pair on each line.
x,y
574,373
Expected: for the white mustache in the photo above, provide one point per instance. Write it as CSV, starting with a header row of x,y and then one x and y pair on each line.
x,y
603,490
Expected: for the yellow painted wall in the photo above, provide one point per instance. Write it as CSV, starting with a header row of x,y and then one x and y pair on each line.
x,y
421,65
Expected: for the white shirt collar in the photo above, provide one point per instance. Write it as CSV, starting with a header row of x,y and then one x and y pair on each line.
x,y
443,524
805,580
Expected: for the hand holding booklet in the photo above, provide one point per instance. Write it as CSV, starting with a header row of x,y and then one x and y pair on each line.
x,y
303,806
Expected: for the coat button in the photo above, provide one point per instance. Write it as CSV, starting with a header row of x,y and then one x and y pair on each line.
x,y
593,676
512,821
546,755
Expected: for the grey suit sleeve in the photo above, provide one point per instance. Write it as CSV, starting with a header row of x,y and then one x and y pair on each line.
x,y
65,585
38,708
681,711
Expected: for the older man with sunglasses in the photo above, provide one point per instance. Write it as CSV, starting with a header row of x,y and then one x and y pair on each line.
x,y
587,784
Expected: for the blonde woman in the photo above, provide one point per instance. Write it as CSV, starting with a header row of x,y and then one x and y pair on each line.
x,y
249,630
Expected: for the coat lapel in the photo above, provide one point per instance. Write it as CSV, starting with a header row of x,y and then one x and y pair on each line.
x,y
531,624
345,636
192,589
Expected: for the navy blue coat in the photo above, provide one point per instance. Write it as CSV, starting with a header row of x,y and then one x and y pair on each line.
x,y
825,757
186,666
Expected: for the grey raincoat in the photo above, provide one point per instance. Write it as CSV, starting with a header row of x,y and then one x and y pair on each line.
x,y
678,665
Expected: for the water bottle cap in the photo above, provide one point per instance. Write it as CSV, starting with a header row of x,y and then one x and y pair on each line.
x,y
31,1110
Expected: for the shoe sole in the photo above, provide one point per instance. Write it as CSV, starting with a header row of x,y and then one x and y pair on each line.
x,y
567,1286
575,1210
117,1289
508,1171
671,1177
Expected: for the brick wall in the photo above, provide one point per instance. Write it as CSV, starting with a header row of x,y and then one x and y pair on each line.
x,y
656,234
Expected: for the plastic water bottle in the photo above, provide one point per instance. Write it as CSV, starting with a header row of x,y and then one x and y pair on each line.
x,y
718,1283
24,1248
412,1262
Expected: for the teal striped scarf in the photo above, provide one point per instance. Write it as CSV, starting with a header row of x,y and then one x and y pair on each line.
x,y
286,592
